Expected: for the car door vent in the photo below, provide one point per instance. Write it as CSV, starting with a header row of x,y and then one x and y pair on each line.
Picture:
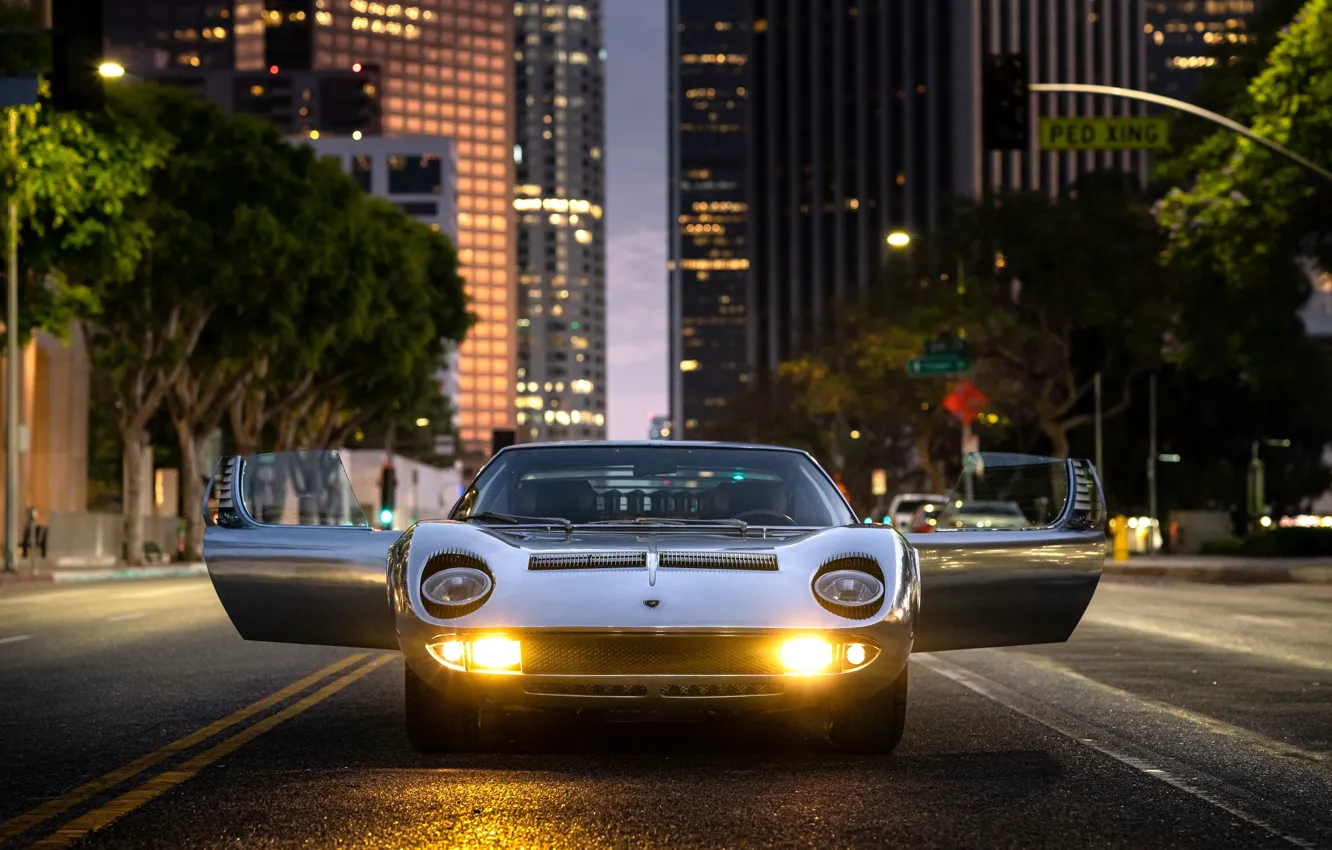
x,y
744,561
1088,505
222,504
589,561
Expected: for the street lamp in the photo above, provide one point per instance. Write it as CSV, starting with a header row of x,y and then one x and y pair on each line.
x,y
898,239
1257,496
111,69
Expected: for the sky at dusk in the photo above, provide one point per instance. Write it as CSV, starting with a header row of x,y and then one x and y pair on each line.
x,y
636,214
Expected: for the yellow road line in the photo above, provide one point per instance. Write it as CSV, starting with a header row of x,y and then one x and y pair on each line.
x,y
168,779
51,808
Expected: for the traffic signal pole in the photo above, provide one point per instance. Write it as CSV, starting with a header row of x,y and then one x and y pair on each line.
x,y
1182,106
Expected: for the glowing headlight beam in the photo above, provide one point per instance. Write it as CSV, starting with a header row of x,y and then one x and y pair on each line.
x,y
807,655
496,653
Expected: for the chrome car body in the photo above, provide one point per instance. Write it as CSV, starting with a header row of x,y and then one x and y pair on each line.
x,y
654,616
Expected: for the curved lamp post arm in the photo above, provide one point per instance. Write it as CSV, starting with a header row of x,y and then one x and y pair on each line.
x,y
1182,106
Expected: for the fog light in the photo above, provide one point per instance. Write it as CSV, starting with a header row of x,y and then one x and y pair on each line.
x,y
449,652
496,653
807,655
855,654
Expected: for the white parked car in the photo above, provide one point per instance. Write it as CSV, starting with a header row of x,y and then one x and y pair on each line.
x,y
904,506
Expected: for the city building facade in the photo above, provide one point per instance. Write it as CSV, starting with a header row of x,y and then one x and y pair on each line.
x,y
1064,41
709,173
446,69
1185,37
559,197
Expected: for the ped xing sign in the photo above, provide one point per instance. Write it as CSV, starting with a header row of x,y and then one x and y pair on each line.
x,y
1104,134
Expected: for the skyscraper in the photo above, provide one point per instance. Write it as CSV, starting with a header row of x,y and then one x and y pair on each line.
x,y
446,67
1189,36
559,195
803,133
709,179
1064,41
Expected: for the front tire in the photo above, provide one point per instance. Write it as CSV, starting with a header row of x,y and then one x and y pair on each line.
x,y
435,723
872,725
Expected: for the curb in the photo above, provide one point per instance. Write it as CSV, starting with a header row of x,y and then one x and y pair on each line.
x,y
1224,574
65,576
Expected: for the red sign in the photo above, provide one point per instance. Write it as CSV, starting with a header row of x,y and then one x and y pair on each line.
x,y
965,402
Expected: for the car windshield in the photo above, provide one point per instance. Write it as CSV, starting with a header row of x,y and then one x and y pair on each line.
x,y
586,484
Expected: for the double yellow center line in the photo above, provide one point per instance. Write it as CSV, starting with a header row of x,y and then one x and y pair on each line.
x,y
157,785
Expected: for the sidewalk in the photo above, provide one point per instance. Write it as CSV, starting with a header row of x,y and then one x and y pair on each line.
x,y
1224,569
87,571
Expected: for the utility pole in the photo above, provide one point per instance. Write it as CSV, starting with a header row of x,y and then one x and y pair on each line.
x,y
1151,466
12,373
1100,466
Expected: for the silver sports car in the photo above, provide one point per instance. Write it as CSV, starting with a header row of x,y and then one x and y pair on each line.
x,y
650,578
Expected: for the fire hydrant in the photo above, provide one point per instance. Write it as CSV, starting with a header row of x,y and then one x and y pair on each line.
x,y
1119,534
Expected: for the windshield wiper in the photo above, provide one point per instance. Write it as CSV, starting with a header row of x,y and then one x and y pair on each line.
x,y
516,519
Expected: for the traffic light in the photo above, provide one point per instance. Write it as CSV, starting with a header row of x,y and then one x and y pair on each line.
x,y
388,491
1004,102
76,55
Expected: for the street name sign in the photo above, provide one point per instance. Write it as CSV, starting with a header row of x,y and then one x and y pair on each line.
x,y
932,365
1104,134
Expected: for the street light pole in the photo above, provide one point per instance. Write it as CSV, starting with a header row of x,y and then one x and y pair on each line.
x,y
1151,466
12,376
1100,470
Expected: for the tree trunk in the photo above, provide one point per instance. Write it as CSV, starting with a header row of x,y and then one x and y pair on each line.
x,y
191,488
131,516
932,471
1058,435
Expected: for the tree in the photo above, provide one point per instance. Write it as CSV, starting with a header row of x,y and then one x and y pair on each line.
x,y
74,180
220,251
1241,229
1062,289
374,360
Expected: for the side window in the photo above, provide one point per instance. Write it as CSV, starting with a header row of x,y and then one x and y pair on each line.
x,y
299,488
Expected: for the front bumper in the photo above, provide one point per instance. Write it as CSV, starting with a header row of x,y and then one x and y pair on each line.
x,y
695,671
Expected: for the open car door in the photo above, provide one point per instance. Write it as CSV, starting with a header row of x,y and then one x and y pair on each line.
x,y
1015,555
291,554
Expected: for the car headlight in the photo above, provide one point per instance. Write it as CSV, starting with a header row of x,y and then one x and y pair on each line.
x,y
458,586
850,586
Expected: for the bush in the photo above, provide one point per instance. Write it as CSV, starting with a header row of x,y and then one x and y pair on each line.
x,y
1226,546
1277,543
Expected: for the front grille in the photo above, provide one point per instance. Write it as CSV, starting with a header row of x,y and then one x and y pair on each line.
x,y
718,561
651,655
745,689
571,689
589,561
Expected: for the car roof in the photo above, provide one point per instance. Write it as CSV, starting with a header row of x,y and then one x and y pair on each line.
x,y
634,444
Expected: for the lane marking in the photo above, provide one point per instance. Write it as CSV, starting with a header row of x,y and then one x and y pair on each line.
x,y
193,587
51,808
120,618
15,638
152,789
59,595
1258,741
1212,641
1048,717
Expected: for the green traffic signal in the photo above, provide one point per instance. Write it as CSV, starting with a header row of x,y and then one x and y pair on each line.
x,y
386,517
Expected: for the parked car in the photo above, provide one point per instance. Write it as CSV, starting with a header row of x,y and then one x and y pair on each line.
x,y
905,505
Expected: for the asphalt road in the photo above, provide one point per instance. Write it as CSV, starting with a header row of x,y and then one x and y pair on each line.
x,y
131,715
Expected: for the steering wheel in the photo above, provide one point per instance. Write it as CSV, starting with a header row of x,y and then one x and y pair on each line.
x,y
762,516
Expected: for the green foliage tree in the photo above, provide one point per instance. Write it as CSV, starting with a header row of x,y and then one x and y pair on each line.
x,y
377,362
1241,229
1062,289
